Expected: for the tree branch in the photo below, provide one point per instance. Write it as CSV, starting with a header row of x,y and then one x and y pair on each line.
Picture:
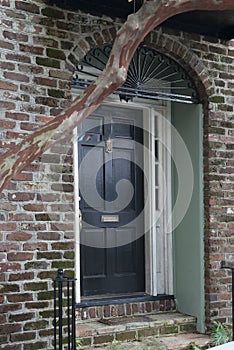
x,y
128,38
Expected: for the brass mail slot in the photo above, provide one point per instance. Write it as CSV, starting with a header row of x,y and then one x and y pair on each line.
x,y
110,218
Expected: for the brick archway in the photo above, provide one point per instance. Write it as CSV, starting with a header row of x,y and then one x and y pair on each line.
x,y
91,41
164,43
171,46
188,59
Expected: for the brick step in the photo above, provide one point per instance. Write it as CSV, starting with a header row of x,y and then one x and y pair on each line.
x,y
177,342
161,330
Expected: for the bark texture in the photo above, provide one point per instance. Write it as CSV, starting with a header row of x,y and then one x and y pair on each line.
x,y
128,38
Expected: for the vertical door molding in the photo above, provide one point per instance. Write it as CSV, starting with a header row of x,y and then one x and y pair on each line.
x,y
76,216
158,239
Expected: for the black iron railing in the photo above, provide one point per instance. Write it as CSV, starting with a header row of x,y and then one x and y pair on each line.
x,y
64,312
225,266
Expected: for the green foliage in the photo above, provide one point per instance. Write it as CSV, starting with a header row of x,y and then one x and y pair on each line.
x,y
220,333
193,346
79,342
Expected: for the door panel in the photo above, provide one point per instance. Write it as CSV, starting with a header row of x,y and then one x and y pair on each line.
x,y
108,264
86,175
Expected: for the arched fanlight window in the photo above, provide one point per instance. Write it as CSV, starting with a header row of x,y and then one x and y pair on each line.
x,y
151,75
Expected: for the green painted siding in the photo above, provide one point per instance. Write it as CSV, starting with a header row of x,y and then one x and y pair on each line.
x,y
188,235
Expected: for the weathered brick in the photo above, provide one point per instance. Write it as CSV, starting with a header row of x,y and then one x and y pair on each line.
x,y
47,62
7,124
25,6
27,126
10,288
38,345
5,3
7,66
62,245
69,255
56,93
13,347
10,328
47,101
15,36
37,305
20,317
31,69
8,86
38,50
49,255
55,53
103,339
16,76
8,226
21,196
18,58
35,325
45,295
45,81
126,336
48,236
66,45
17,116
19,256
45,42
45,333
7,105
22,337
47,274
33,207
62,187
21,276
62,264
35,286
35,246
36,265
19,297
53,13
57,33
60,74
20,217
6,45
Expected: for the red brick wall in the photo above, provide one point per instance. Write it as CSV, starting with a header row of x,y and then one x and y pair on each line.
x,y
39,46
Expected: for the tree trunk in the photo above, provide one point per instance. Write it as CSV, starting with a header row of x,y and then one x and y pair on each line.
x,y
128,38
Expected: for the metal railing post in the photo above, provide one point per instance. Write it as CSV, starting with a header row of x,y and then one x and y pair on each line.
x,y
64,311
224,266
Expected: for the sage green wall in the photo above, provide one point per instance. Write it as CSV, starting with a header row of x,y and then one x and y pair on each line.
x,y
188,236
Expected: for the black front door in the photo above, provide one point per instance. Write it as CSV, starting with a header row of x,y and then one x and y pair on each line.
x,y
112,201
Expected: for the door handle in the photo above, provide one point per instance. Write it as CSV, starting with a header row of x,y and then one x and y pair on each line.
x,y
108,145
80,220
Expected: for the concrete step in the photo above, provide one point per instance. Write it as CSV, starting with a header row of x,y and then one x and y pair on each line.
x,y
158,331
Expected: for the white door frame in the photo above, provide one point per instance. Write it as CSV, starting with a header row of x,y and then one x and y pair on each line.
x,y
158,239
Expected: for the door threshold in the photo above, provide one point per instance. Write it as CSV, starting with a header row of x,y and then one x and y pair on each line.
x,y
113,296
107,299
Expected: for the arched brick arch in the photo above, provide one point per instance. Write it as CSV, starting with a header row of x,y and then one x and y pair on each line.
x,y
91,41
172,46
196,69
167,44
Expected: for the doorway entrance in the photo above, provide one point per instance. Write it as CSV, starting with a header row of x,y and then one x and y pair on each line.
x,y
111,181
